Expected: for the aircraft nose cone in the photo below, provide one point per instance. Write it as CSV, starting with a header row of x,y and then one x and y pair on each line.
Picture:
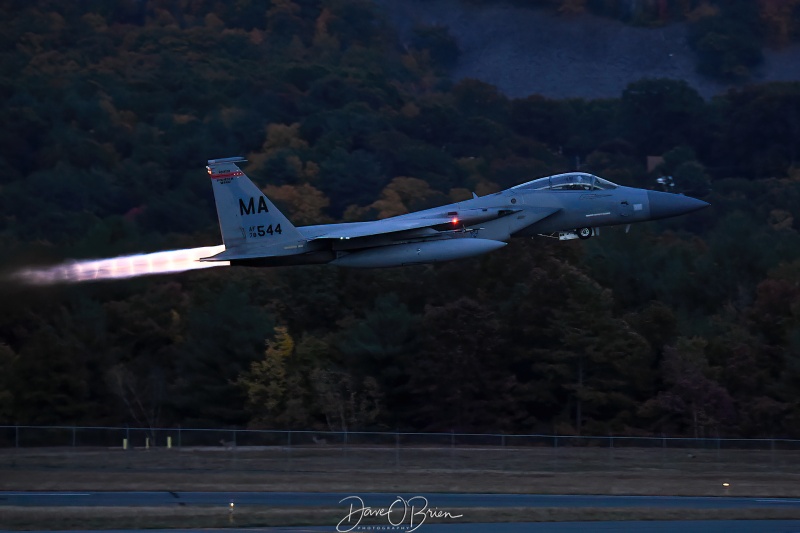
x,y
665,204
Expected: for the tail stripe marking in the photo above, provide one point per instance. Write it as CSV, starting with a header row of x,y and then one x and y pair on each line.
x,y
227,175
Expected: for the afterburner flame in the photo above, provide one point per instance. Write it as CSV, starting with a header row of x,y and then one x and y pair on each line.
x,y
129,266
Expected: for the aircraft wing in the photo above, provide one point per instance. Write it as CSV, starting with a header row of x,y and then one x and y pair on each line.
x,y
380,227
407,223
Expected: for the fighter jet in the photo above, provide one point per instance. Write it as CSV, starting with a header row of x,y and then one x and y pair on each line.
x,y
565,206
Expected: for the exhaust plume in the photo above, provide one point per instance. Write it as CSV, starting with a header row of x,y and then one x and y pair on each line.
x,y
128,266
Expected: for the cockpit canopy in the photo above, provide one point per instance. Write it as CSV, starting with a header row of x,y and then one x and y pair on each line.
x,y
571,181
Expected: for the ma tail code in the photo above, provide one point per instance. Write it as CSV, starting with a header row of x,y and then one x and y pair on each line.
x,y
249,208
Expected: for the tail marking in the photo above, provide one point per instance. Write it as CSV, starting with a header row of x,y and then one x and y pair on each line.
x,y
249,222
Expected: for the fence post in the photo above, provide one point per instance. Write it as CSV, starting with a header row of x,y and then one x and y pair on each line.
x,y
611,449
452,448
502,456
128,446
344,446
556,463
772,452
235,452
289,450
180,458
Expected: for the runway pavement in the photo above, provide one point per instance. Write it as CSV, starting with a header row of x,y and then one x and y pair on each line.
x,y
443,501
333,499
697,526
722,526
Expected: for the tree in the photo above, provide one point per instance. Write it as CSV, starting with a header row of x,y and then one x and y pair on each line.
x,y
272,384
602,364
778,20
7,361
224,332
457,379
346,404
659,114
402,195
380,347
763,128
350,178
549,121
282,142
479,99
691,179
284,22
53,375
696,400
303,204
728,44
439,43
143,395
355,22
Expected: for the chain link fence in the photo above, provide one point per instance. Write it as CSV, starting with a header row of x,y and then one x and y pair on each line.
x,y
320,451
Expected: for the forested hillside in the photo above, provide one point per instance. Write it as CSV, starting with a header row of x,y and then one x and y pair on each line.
x,y
690,326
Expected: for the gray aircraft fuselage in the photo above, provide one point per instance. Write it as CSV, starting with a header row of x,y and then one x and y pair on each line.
x,y
563,206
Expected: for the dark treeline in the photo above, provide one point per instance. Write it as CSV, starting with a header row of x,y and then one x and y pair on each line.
x,y
690,326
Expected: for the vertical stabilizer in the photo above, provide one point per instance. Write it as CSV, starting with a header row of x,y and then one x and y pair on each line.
x,y
247,218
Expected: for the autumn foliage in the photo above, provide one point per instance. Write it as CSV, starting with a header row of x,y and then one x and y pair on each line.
x,y
110,109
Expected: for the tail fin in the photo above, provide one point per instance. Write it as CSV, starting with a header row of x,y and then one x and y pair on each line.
x,y
247,218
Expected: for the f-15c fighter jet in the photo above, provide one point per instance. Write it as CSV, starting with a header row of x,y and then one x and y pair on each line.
x,y
565,206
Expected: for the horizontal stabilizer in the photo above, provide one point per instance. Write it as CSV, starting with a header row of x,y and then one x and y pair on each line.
x,y
254,252
235,159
